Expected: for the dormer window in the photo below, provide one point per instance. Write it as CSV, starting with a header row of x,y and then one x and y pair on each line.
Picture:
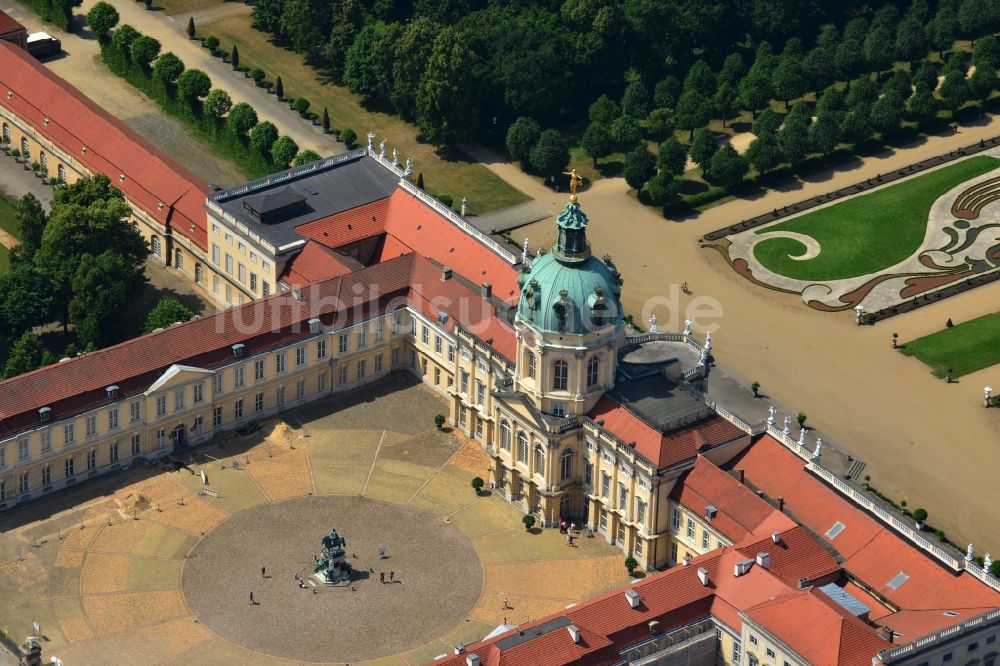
x,y
44,414
112,392
238,350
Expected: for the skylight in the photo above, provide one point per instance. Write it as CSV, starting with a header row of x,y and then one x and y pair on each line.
x,y
837,528
898,580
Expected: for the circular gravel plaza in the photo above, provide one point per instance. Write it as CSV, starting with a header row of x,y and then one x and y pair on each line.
x,y
438,579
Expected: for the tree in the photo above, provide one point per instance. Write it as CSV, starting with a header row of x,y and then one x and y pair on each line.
x,y
168,68
305,157
755,91
764,153
596,141
439,421
522,135
726,167
666,91
701,78
626,133
326,121
801,419
301,106
348,17
862,91
878,49
920,516
217,104
943,29
551,154
767,123
663,188
27,299
528,521
283,151
911,39
976,17
922,106
25,356
362,65
211,43
818,68
267,15
193,84
983,81
926,75
672,157
693,111
603,111
242,118
640,166
279,89
857,125
954,90
635,100
703,147
190,28
824,133
899,85
848,58
630,564
788,80
448,115
101,18
166,312
477,484
725,100
732,70
31,220
659,124
410,53
263,136
101,290
234,58
87,191
986,52
144,50
123,37
755,389
348,137
886,114
793,137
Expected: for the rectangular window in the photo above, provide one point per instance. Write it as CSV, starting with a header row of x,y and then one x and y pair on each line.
x,y
300,357
706,539
321,382
91,459
238,410
25,483
737,653
463,382
638,546
622,497
769,652
342,344
69,434
229,238
133,411
395,357
179,397
753,640
241,273
948,656
480,392
300,389
605,484
216,254
425,335
46,437
321,349
437,344
279,362
238,377
113,452
70,468
640,512
47,475
258,402
136,444
113,418
91,423
3,457
161,438
216,417
673,551
265,288
199,393
253,282
161,405
362,338
588,473
258,370
279,396
23,450
559,409
342,375
378,363
361,369
451,353
690,528
380,330
217,383
229,263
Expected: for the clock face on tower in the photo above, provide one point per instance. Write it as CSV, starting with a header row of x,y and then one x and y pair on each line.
x,y
529,337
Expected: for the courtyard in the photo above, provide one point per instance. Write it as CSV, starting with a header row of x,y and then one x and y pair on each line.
x,y
152,564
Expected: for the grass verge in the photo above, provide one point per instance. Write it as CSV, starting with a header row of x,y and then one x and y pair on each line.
x,y
867,233
964,348
453,174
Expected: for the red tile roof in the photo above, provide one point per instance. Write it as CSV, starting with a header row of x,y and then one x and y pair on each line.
x,y
663,450
316,263
9,26
348,226
797,554
112,149
830,637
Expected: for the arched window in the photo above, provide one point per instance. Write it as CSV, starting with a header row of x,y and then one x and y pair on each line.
x,y
199,274
539,460
43,161
560,375
61,172
178,259
566,464
505,436
6,133
522,447
593,368
154,245
24,149
530,358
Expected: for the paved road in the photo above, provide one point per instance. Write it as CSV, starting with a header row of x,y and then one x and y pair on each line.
x,y
172,35
926,441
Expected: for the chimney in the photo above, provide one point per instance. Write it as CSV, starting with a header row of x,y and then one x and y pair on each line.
x,y
710,512
764,560
633,598
781,502
459,649
238,349
776,537
703,576
472,660
687,559
803,583
297,295
445,273
741,567
313,325
487,290
112,392
574,633
742,473
886,634
654,626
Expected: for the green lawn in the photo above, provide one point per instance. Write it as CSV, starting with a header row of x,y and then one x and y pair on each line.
x,y
455,175
965,348
867,233
8,222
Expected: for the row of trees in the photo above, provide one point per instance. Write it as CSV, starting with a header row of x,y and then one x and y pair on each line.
x,y
188,93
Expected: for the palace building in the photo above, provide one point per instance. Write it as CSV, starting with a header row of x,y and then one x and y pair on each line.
x,y
337,273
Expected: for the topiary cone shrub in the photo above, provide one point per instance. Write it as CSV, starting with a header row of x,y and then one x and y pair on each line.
x,y
529,522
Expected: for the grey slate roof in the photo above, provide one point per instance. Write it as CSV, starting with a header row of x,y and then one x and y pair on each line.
x,y
329,186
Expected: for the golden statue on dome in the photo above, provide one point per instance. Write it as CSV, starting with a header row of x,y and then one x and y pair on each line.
x,y
574,182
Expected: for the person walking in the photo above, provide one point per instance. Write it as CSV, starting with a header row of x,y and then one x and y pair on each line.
x,y
392,574
381,576
252,602
262,572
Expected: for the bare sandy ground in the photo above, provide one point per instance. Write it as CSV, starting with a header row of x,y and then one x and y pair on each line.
x,y
928,442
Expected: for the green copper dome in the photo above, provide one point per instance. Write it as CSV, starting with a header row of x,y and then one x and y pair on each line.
x,y
568,290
